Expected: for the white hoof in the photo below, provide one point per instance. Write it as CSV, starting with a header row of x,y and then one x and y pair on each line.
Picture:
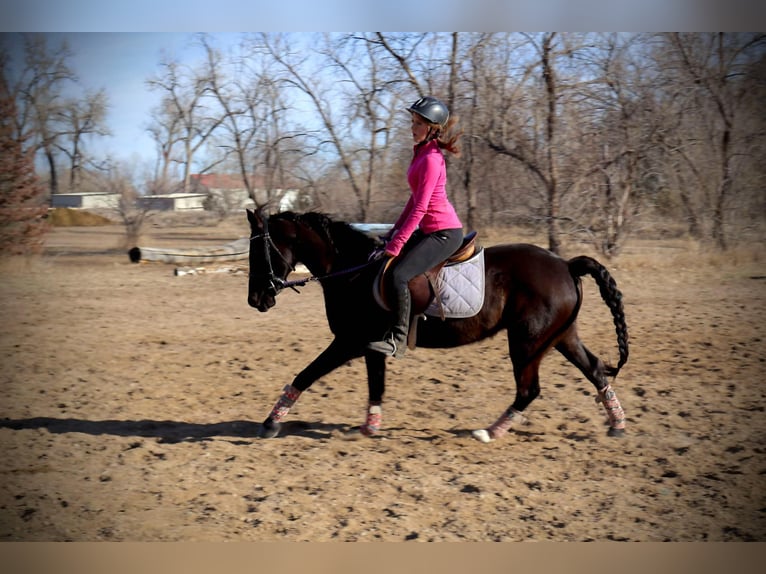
x,y
482,435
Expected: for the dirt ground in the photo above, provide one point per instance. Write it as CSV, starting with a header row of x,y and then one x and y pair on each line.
x,y
132,400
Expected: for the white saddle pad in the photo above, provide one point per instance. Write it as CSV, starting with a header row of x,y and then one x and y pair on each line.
x,y
460,289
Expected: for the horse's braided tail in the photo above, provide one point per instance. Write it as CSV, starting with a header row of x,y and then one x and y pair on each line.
x,y
584,265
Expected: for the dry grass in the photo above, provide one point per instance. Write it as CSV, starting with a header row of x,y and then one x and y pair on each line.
x,y
677,254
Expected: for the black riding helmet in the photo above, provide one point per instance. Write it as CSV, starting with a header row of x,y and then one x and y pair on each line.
x,y
432,109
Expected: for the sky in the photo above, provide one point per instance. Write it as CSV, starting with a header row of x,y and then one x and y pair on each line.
x,y
121,63
118,44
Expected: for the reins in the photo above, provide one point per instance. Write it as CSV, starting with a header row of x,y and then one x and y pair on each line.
x,y
302,282
277,283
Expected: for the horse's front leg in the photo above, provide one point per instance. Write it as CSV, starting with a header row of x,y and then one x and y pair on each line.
x,y
376,386
328,360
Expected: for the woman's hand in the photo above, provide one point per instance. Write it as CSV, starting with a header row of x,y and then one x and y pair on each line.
x,y
377,254
387,237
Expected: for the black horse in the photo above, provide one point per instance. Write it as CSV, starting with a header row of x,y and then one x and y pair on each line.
x,y
531,293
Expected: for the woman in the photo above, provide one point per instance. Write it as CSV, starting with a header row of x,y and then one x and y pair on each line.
x,y
428,225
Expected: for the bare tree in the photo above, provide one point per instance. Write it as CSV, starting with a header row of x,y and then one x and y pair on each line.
x,y
79,119
581,133
240,102
403,49
438,73
372,109
38,93
185,98
281,150
534,140
254,131
611,131
22,197
707,79
126,181
165,130
623,128
434,64
354,114
479,71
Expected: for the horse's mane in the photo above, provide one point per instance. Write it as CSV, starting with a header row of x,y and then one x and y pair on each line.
x,y
343,238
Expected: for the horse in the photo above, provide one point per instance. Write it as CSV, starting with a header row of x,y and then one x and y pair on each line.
x,y
530,292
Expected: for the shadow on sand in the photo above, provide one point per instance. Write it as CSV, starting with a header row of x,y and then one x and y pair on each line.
x,y
170,431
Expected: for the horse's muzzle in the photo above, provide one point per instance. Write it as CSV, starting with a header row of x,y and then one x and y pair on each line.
x,y
262,302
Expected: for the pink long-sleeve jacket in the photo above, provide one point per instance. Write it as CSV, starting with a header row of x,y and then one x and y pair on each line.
x,y
428,206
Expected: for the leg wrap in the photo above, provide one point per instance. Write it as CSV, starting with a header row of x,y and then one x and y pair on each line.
x,y
374,418
282,406
614,412
508,419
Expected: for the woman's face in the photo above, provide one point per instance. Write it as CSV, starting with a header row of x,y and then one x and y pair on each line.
x,y
419,128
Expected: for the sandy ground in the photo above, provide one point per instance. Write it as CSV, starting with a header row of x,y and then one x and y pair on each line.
x,y
132,400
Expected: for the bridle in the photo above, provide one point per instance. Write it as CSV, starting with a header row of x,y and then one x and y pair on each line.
x,y
277,284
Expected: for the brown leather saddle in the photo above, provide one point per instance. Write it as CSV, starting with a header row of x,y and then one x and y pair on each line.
x,y
421,286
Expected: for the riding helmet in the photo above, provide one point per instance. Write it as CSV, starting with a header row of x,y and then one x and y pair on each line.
x,y
432,109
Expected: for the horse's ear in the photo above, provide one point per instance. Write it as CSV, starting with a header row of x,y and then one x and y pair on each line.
x,y
254,218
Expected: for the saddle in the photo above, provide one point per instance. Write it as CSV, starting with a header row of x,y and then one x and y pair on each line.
x,y
422,287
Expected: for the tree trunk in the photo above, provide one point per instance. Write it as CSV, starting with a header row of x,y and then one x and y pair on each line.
x,y
724,188
53,184
554,242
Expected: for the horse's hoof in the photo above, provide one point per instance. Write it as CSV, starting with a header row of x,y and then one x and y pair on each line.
x,y
482,435
270,429
615,433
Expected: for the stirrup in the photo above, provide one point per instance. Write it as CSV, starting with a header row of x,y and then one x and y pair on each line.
x,y
387,346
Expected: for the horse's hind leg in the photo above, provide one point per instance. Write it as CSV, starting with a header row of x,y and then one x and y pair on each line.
x,y
595,371
527,389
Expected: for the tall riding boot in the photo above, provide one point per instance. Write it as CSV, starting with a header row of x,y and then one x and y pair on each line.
x,y
394,343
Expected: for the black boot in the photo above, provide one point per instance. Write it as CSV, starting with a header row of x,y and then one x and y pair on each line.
x,y
394,343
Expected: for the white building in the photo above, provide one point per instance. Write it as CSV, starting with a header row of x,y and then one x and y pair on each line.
x,y
229,192
173,202
86,200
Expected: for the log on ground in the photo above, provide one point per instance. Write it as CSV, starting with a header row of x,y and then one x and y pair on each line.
x,y
234,251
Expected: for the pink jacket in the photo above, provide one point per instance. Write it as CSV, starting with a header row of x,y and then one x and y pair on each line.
x,y
428,206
